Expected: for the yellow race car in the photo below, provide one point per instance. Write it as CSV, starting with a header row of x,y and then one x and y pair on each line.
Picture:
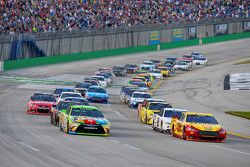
x,y
198,127
148,77
146,112
164,70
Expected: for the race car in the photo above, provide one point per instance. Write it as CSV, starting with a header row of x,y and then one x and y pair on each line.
x,y
97,94
148,77
69,94
145,102
128,94
77,99
102,80
200,60
198,126
188,60
181,65
41,104
162,119
142,86
164,71
124,91
147,65
82,88
57,92
87,120
156,74
119,71
131,68
156,62
62,106
138,97
146,113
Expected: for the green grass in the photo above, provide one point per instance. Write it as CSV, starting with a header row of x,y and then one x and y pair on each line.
x,y
243,114
243,62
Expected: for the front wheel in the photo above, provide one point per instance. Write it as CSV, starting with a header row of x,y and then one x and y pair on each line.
x,y
173,134
67,127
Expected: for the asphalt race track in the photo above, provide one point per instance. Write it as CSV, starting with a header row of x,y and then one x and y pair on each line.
x,y
28,141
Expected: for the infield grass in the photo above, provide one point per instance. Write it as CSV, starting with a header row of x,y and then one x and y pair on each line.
x,y
243,114
243,62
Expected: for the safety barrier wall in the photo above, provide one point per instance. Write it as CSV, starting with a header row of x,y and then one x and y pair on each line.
x,y
62,43
30,62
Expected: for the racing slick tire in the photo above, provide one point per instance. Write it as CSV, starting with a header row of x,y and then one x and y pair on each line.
x,y
161,130
173,134
184,136
153,125
67,128
51,118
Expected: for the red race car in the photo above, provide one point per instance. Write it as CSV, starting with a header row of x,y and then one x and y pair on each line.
x,y
41,104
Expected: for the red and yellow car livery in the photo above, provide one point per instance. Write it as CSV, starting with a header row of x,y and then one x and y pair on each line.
x,y
198,126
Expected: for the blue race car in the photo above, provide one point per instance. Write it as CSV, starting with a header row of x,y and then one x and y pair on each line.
x,y
97,94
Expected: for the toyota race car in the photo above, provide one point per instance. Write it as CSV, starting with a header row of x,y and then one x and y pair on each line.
x,y
87,120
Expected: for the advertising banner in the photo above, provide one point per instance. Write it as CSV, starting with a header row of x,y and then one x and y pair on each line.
x,y
178,34
246,26
221,29
191,32
154,38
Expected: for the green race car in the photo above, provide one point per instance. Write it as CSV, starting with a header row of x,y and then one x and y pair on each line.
x,y
87,120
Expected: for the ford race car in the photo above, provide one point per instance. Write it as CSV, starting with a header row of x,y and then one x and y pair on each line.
x,y
162,119
41,104
138,97
181,65
97,94
198,126
87,120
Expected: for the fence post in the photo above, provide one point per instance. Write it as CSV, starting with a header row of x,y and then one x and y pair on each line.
x,y
200,41
158,47
1,65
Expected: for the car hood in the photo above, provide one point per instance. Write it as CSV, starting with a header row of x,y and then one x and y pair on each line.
x,y
43,103
91,94
206,127
90,120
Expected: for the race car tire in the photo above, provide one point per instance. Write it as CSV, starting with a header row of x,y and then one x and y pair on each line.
x,y
67,127
173,134
153,125
61,129
184,136
145,119
161,130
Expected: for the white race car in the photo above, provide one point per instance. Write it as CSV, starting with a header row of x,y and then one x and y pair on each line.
x,y
156,74
162,119
102,80
69,94
182,65
138,97
147,65
200,60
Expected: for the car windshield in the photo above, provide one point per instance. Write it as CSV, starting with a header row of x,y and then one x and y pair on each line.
x,y
97,90
141,95
194,54
43,97
118,68
59,91
92,82
181,63
158,72
65,105
200,58
64,95
83,85
201,119
139,84
130,92
130,66
171,113
86,112
187,56
148,63
100,78
81,100
158,106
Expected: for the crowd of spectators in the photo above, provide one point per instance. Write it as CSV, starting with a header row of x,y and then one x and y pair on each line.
x,y
20,16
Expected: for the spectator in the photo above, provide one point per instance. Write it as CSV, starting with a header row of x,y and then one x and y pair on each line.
x,y
56,15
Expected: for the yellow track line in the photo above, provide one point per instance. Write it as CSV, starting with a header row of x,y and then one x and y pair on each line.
x,y
238,135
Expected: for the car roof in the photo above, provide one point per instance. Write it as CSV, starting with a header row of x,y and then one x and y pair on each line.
x,y
200,114
151,100
85,107
176,109
141,92
94,86
70,93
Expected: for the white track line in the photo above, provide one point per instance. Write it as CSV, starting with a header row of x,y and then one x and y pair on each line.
x,y
28,146
118,113
228,149
127,145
